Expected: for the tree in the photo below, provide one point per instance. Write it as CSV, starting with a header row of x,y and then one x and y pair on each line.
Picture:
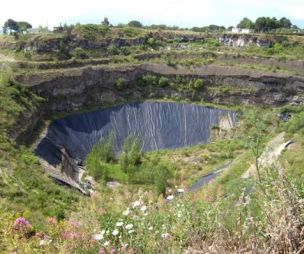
x,y
135,23
285,23
23,26
10,26
105,22
246,24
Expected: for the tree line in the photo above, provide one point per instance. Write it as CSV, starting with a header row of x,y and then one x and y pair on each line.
x,y
266,24
15,27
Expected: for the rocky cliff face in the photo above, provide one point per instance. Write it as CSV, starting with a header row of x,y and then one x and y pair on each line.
x,y
78,89
242,40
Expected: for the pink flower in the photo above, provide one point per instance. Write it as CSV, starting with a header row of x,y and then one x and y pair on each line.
x,y
22,225
52,221
94,195
69,235
74,224
124,247
113,251
102,251
101,210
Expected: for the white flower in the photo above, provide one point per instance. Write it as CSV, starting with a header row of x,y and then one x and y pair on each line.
x,y
107,243
170,197
136,204
179,214
143,208
119,224
115,232
129,226
150,228
165,236
44,242
126,212
131,231
98,237
180,190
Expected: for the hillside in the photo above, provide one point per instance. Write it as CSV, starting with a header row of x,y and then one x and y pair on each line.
x,y
133,140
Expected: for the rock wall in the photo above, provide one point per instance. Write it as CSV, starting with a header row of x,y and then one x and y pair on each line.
x,y
242,40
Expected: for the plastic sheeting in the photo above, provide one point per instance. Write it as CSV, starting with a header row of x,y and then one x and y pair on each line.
x,y
160,125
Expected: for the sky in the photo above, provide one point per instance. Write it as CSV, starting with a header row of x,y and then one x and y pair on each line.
x,y
183,13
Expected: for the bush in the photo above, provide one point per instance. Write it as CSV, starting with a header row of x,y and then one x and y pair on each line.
x,y
120,83
162,82
135,23
131,153
198,84
101,154
149,80
80,53
296,124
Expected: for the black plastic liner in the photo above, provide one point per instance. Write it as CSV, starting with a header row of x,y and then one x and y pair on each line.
x,y
160,125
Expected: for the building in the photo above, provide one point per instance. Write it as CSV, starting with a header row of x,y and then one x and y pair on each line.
x,y
237,30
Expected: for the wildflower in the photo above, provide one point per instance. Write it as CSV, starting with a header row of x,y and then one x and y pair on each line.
x,y
124,247
101,211
113,251
93,194
52,221
143,208
150,228
115,232
179,214
136,204
131,231
180,190
129,226
70,235
44,242
170,197
22,225
74,224
166,236
107,243
102,251
98,237
119,224
126,212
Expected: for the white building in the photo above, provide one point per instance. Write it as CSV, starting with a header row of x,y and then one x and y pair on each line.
x,y
237,30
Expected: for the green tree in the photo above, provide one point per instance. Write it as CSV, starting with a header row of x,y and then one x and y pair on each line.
x,y
102,153
246,24
131,154
105,22
23,26
135,23
285,23
10,26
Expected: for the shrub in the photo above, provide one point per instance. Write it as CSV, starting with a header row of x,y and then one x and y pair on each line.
x,y
296,124
120,83
198,84
163,82
131,153
149,80
80,53
101,154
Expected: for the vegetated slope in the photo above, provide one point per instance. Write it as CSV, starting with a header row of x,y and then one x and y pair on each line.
x,y
24,188
230,215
